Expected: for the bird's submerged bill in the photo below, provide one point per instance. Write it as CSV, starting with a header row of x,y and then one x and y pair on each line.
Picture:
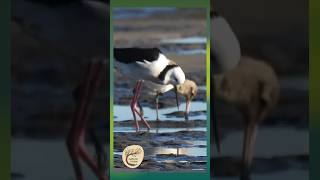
x,y
177,97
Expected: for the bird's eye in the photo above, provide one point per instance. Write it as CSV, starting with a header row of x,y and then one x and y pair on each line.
x,y
174,78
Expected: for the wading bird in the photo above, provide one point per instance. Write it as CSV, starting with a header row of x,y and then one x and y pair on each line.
x,y
188,89
150,64
253,87
249,84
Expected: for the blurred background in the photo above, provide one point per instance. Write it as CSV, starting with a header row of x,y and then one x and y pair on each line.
x,y
275,32
53,41
52,44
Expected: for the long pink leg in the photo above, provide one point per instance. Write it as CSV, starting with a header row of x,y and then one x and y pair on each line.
x,y
136,110
133,105
75,140
136,98
83,153
72,137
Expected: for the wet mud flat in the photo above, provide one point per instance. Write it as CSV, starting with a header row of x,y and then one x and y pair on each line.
x,y
182,150
159,125
172,144
164,162
143,31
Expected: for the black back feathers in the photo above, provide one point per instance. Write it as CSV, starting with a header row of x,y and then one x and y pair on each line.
x,y
163,73
131,55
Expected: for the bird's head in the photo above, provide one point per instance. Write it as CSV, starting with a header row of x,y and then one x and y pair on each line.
x,y
188,89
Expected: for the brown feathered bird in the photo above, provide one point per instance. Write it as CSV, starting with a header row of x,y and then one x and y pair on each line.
x,y
253,87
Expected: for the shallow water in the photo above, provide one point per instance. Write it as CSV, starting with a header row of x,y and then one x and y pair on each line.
x,y
192,151
280,153
34,159
186,45
129,13
295,83
123,112
159,130
186,40
296,142
166,148
190,52
202,88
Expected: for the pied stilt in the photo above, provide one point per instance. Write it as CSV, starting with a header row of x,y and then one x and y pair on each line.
x,y
150,64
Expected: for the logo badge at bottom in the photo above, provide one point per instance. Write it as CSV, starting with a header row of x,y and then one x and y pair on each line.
x,y
132,156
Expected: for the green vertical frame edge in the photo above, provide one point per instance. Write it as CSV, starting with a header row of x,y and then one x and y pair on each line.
x,y
314,88
5,90
159,175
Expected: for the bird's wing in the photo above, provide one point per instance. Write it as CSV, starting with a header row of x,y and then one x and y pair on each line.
x,y
225,46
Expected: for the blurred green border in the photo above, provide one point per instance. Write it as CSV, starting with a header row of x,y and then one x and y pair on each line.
x,y
5,89
314,87
159,175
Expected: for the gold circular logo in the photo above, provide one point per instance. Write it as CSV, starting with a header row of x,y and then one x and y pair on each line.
x,y
132,156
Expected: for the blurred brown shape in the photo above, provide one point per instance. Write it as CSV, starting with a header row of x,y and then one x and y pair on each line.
x,y
254,88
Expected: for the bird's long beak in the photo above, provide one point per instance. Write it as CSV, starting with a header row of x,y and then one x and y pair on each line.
x,y
188,102
177,98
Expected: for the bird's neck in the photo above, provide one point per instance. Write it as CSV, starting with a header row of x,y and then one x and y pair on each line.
x,y
167,88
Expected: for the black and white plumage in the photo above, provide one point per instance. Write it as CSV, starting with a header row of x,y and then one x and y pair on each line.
x,y
148,64
225,45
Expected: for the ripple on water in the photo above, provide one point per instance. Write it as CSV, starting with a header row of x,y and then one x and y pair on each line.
x,y
159,130
123,112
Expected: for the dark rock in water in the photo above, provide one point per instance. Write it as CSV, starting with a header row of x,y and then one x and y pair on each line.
x,y
166,123
142,133
176,143
199,162
167,155
172,143
176,114
154,144
180,114
202,146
